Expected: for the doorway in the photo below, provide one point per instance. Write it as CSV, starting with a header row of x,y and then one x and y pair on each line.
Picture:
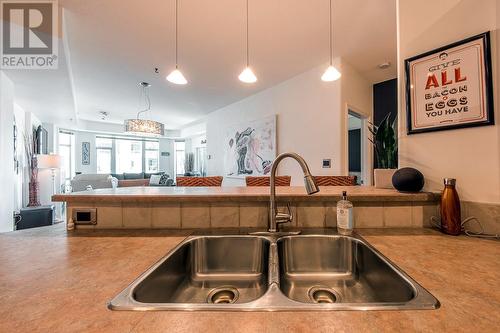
x,y
356,146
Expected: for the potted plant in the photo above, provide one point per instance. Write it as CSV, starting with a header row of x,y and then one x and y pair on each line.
x,y
385,143
30,148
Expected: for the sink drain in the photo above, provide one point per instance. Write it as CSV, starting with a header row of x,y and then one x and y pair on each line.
x,y
223,295
322,295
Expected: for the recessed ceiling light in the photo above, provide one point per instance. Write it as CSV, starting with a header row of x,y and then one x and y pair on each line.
x,y
103,115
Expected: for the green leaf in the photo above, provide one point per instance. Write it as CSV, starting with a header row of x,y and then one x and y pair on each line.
x,y
385,142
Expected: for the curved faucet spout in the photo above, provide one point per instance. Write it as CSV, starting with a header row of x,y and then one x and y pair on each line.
x,y
274,217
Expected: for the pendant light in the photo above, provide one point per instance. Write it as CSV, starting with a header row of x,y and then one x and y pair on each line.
x,y
331,73
247,75
144,126
176,76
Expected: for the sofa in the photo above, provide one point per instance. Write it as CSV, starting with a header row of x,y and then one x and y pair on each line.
x,y
134,179
98,181
134,176
82,181
142,179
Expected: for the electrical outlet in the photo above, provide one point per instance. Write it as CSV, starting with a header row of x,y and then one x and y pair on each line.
x,y
327,163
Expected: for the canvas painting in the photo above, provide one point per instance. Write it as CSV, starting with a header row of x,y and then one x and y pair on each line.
x,y
85,153
250,148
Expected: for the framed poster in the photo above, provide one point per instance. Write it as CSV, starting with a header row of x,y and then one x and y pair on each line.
x,y
450,87
85,153
250,148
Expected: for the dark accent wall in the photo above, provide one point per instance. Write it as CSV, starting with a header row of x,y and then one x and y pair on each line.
x,y
385,100
355,150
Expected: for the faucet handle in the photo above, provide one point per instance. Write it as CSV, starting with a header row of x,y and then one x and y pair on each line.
x,y
289,212
285,217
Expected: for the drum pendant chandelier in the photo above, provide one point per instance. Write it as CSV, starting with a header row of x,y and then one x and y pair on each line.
x,y
144,126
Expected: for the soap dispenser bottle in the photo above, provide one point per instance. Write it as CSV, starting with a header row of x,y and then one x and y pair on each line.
x,y
345,223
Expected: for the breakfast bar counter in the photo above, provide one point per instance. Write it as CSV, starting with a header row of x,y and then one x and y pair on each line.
x,y
243,207
148,194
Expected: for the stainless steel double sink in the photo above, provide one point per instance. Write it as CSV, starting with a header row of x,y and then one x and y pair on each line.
x,y
274,273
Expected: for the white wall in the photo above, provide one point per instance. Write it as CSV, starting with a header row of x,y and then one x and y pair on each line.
x,y
52,131
194,129
311,121
167,162
19,115
195,142
81,137
357,96
354,122
471,155
6,152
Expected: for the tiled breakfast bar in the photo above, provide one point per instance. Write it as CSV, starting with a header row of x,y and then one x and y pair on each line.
x,y
244,207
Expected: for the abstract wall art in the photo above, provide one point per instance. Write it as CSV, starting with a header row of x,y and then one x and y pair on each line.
x,y
250,148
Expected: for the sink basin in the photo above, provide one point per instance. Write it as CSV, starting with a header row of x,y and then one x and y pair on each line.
x,y
202,271
333,269
274,273
206,270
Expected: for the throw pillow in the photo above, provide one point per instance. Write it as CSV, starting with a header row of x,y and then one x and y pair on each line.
x,y
163,179
155,180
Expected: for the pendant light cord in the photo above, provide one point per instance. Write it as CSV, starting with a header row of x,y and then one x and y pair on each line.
x,y
145,92
331,34
176,33
248,61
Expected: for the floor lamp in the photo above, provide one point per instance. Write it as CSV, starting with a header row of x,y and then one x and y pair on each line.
x,y
52,162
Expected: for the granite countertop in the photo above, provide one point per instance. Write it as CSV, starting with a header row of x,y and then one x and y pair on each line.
x,y
240,193
54,281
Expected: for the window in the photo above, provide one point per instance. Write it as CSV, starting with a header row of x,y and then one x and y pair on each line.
x,y
128,156
104,149
120,155
200,158
180,157
151,156
67,152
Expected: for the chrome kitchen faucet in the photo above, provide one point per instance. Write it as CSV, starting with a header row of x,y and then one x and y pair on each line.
x,y
275,217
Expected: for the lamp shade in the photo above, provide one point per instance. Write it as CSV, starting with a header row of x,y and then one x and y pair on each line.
x,y
176,77
247,76
331,74
51,161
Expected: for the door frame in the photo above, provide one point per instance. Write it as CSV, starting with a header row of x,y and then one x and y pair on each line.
x,y
366,147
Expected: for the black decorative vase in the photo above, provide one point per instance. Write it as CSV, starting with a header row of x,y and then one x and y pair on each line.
x,y
408,180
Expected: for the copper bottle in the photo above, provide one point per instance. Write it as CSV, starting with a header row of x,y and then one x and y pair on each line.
x,y
450,209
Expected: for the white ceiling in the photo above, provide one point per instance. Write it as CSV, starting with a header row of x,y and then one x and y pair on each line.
x,y
112,45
